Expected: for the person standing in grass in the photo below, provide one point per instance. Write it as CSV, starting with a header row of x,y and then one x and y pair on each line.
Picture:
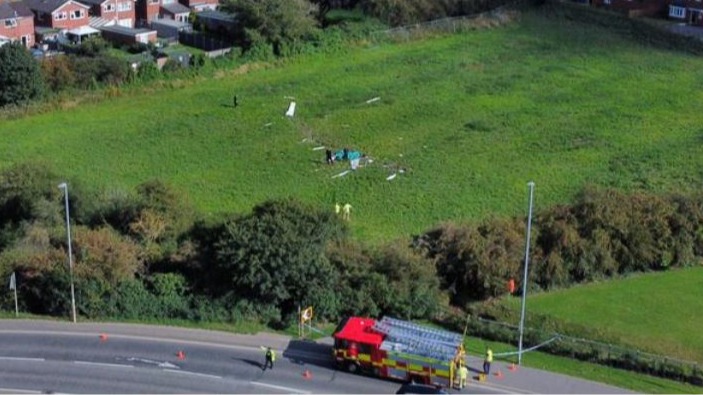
x,y
347,211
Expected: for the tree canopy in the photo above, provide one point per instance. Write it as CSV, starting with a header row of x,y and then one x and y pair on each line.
x,y
276,22
276,256
20,76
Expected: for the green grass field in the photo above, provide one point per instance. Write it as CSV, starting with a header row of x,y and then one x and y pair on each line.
x,y
655,312
636,382
472,117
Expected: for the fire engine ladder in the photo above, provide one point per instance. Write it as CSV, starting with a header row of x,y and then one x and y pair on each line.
x,y
417,339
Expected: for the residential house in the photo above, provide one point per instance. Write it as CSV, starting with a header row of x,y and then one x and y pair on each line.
x,y
200,5
217,21
169,28
171,9
16,23
147,10
111,12
59,14
632,8
126,35
687,11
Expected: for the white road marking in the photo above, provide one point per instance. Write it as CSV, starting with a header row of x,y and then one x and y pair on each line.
x,y
23,359
112,365
136,337
16,391
164,364
212,376
278,387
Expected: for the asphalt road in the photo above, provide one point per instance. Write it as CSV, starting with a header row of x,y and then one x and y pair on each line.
x,y
50,357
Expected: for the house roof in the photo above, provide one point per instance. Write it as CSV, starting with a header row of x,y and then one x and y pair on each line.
x,y
216,15
92,2
126,31
168,22
49,6
45,30
83,31
175,8
14,9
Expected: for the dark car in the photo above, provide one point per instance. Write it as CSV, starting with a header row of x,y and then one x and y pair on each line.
x,y
413,388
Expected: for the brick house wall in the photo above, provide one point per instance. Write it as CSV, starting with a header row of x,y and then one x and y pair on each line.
x,y
146,11
687,11
633,7
70,16
66,14
17,23
200,5
121,11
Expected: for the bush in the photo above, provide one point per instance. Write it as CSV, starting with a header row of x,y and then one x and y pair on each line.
x,y
170,290
147,71
172,66
20,76
250,256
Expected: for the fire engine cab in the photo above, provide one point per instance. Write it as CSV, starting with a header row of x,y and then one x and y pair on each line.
x,y
398,349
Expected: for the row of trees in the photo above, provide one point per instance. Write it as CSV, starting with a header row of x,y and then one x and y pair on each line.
x,y
87,66
147,254
604,233
266,29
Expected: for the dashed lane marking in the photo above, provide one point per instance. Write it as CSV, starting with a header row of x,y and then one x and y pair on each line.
x,y
212,376
110,365
22,359
280,387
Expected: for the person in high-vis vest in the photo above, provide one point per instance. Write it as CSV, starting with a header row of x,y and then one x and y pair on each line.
x,y
270,358
463,375
487,361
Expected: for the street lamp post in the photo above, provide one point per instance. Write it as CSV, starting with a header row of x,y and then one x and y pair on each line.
x,y
64,186
531,184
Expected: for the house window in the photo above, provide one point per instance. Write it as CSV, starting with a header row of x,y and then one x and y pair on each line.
x,y
10,22
677,12
60,16
77,14
607,2
125,6
109,7
153,1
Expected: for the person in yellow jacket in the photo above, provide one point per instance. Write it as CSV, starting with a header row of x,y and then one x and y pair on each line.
x,y
487,361
270,358
463,375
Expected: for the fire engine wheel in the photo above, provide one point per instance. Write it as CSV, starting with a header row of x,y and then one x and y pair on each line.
x,y
353,367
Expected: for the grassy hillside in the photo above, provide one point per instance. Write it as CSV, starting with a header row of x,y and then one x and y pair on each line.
x,y
472,118
656,312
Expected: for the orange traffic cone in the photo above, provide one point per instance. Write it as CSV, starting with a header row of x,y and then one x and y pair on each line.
x,y
181,355
498,374
512,367
307,375
103,337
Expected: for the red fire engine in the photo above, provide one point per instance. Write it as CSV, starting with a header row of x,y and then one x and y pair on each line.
x,y
398,349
